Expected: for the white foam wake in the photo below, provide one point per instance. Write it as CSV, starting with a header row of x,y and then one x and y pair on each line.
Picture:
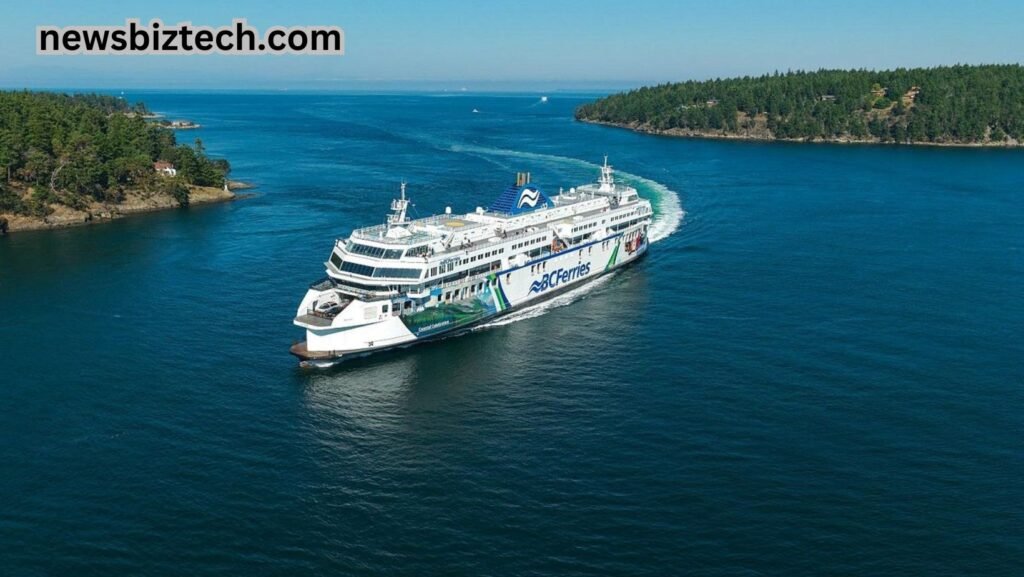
x,y
668,210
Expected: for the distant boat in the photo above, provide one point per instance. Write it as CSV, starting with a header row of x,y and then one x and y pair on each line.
x,y
475,111
543,98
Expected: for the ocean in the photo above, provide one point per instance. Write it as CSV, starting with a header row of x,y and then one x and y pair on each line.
x,y
818,369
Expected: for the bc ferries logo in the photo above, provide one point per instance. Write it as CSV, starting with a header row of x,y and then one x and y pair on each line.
x,y
528,197
562,275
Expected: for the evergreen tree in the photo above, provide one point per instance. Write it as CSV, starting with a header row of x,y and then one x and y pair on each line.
x,y
74,149
952,104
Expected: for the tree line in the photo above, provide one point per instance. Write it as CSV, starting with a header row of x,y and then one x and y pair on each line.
x,y
949,104
79,148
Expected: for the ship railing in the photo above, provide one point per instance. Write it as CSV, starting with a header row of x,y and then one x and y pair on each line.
x,y
363,293
323,284
377,232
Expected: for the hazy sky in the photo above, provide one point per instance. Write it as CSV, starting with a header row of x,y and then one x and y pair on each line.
x,y
526,44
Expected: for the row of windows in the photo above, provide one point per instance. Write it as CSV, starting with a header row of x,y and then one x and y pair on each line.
x,y
398,272
624,225
373,251
528,242
356,268
484,255
383,272
451,264
471,272
387,253
584,227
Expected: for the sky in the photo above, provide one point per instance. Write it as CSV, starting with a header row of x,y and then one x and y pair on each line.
x,y
527,44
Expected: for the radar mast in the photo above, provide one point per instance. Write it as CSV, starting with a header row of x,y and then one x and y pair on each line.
x,y
398,220
607,181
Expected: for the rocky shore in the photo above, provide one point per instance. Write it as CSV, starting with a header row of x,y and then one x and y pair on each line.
x,y
134,203
757,132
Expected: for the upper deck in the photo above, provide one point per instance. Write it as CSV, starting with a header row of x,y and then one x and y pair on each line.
x,y
520,207
522,224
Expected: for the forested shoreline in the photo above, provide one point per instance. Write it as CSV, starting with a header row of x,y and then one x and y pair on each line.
x,y
953,105
83,153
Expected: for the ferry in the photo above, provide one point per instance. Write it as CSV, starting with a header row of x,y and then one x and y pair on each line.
x,y
412,280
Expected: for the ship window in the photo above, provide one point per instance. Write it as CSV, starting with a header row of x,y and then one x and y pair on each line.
x,y
417,251
397,272
393,254
384,308
356,268
433,271
336,259
365,250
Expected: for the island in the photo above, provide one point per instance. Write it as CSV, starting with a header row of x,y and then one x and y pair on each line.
x,y
71,159
959,105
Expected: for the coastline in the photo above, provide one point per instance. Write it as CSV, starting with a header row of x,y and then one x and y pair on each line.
x,y
644,128
134,203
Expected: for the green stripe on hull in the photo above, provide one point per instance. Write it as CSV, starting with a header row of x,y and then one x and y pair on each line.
x,y
615,255
500,300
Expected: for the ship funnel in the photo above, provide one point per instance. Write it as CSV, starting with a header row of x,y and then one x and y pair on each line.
x,y
522,178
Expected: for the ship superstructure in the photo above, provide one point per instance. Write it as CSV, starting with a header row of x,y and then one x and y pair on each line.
x,y
409,280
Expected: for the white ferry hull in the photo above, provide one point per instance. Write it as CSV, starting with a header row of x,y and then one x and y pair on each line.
x,y
500,293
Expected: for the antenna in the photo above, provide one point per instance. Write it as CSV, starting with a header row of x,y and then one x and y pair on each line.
x,y
399,207
607,181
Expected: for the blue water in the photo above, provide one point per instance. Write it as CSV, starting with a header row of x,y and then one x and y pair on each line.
x,y
821,372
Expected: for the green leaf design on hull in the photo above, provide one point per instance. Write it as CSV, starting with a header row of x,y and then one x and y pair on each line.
x,y
615,255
